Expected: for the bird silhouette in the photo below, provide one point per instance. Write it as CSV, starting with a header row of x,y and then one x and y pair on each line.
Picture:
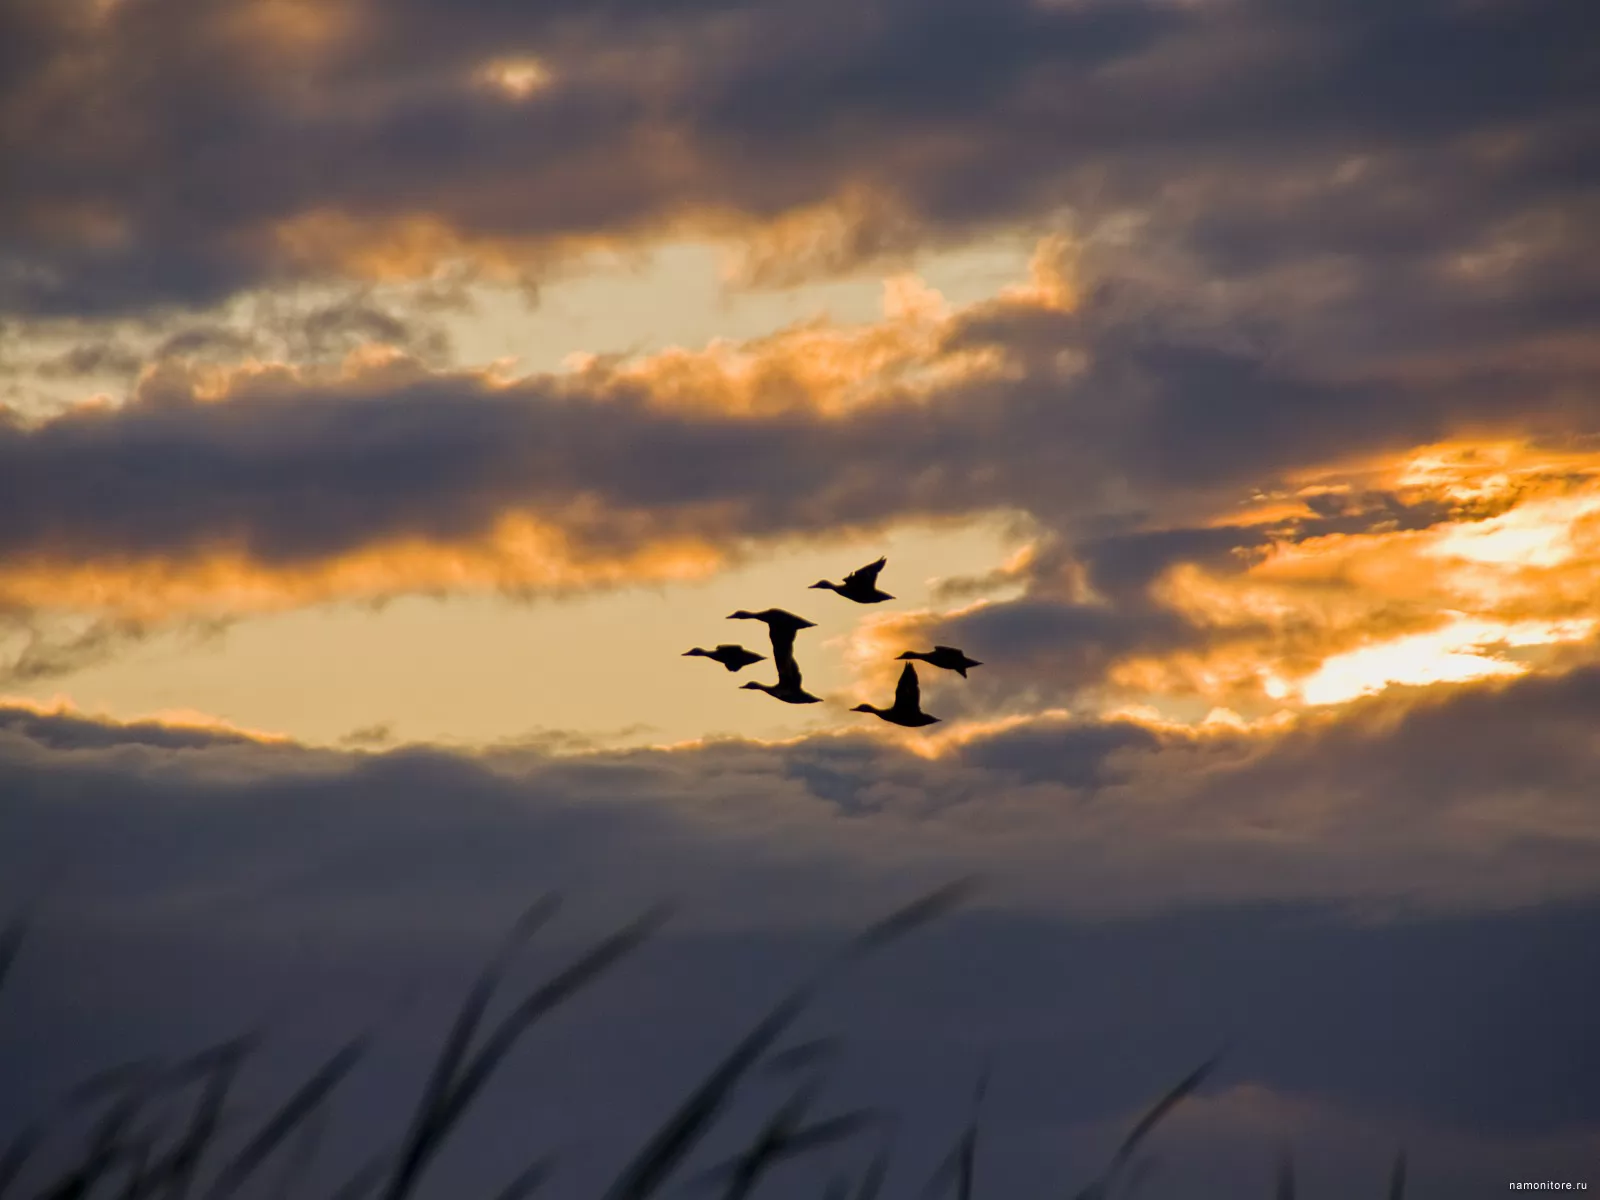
x,y
907,707
734,657
788,688
860,586
781,627
947,657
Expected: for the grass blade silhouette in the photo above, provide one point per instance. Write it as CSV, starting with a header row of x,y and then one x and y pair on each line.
x,y
1138,1175
530,1180
660,1156
1179,1093
830,1130
1142,1128
1397,1177
875,1176
908,919
747,1169
802,1055
222,1064
297,1164
425,1142
960,1166
203,1064
18,1152
10,947
459,1039
112,1081
363,1179
139,1155
296,1109
105,1142
782,1138
1285,1188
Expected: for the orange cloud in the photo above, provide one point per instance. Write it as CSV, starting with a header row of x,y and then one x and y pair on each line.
x,y
291,26
816,240
1327,619
1053,282
815,365
784,250
870,649
823,368
62,705
521,555
397,248
515,78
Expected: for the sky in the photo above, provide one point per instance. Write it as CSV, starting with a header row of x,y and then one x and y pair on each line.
x,y
391,391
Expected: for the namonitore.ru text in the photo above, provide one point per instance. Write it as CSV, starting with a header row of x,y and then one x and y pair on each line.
x,y
1547,1185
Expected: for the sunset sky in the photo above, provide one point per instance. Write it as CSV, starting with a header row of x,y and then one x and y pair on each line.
x,y
392,390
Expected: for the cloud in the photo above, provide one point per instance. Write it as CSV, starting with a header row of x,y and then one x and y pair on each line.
x,y
335,141
1207,526
1470,797
1453,562
1316,892
1292,406
60,728
1271,252
368,736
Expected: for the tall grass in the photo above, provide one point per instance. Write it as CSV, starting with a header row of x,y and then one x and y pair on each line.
x,y
167,1132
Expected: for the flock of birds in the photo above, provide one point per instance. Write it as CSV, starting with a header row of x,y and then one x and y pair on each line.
x,y
862,587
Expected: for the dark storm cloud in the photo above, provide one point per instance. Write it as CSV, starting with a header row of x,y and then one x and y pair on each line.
x,y
209,882
293,472
289,470
1050,645
154,151
1451,799
1081,755
1446,747
1359,228
1045,647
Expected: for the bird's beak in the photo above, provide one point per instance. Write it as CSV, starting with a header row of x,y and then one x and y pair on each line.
x,y
817,585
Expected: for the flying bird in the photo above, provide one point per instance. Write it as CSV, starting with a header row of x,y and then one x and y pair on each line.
x,y
781,627
947,657
860,586
734,657
907,707
788,688
775,618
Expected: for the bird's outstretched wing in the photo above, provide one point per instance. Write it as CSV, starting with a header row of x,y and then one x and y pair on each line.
x,y
788,669
908,693
779,616
782,644
867,575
